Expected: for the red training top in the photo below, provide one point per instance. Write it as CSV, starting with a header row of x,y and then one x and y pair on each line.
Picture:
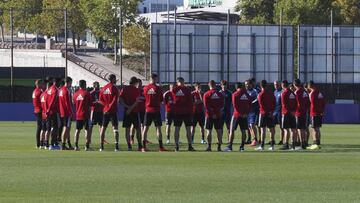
x,y
317,103
52,100
301,100
95,105
65,102
129,94
82,101
43,105
267,102
241,102
182,100
214,103
109,97
288,102
168,101
153,97
197,97
36,99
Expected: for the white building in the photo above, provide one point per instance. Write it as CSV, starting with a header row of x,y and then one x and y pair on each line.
x,y
200,11
152,6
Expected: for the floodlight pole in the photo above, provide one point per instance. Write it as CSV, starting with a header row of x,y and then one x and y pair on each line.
x,y
120,44
332,48
66,43
228,46
174,45
12,49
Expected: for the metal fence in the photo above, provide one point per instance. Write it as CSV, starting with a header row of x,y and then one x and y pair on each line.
x,y
329,54
204,52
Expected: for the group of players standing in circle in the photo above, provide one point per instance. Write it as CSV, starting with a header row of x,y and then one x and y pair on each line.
x,y
252,108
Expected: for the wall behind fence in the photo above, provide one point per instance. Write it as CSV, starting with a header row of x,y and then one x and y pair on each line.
x,y
335,113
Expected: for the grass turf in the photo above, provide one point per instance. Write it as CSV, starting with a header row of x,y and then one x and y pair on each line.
x,y
30,175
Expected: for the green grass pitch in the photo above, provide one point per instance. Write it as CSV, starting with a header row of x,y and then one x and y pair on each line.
x,y
30,175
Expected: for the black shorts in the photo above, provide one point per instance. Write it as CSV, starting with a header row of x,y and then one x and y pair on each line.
x,y
131,119
43,125
266,121
288,121
211,123
277,118
180,118
316,121
81,124
52,122
152,117
96,118
107,117
198,118
169,118
226,120
239,121
66,122
300,122
38,117
142,117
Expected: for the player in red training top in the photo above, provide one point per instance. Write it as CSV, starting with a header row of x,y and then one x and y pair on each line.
x,y
129,98
302,99
317,108
288,108
82,101
36,100
44,132
109,97
52,112
267,102
241,101
198,112
141,108
153,97
182,111
169,117
66,112
214,104
96,115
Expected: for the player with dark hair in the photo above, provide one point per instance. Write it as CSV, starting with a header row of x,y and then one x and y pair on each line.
x,y
308,118
44,133
153,97
141,108
226,114
36,100
52,111
288,108
214,103
253,115
66,112
302,99
182,112
241,101
96,115
198,112
277,112
317,108
109,96
129,98
266,120
82,101
169,117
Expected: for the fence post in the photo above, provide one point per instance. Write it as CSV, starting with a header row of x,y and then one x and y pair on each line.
x,y
190,58
253,54
66,44
222,60
284,65
158,53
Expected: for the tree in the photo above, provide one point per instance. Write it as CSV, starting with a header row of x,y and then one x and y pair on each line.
x,y
296,12
256,11
102,16
137,38
349,11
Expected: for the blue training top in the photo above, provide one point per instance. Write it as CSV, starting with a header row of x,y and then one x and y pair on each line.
x,y
277,94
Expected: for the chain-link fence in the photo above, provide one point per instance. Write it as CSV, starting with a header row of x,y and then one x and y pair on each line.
x,y
204,52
